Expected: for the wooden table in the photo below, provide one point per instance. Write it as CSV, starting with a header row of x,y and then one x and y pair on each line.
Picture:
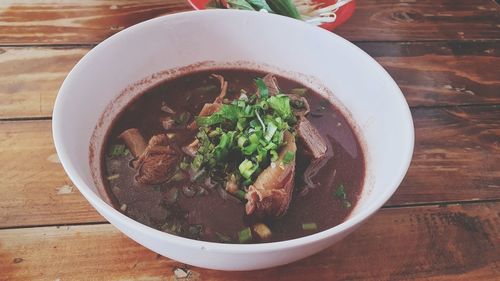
x,y
442,224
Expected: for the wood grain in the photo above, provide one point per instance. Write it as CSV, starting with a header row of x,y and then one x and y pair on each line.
x,y
75,22
30,79
456,242
429,74
451,73
456,158
33,186
424,20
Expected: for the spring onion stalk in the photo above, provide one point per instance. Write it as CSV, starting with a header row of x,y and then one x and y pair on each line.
x,y
245,235
309,226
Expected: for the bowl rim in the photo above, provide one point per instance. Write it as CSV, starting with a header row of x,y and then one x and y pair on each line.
x,y
102,207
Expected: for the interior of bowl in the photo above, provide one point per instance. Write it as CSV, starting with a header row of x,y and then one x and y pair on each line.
x,y
150,52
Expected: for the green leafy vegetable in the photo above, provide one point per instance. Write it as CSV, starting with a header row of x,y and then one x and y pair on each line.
x,y
260,4
284,8
240,5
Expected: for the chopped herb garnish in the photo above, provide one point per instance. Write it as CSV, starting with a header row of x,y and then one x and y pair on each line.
x,y
240,194
288,157
183,118
342,195
263,90
340,192
119,150
223,238
249,130
113,177
262,231
245,235
347,204
309,226
298,91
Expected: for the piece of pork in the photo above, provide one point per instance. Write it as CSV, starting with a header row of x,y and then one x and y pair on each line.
x,y
272,84
192,148
134,141
210,108
271,192
314,143
158,161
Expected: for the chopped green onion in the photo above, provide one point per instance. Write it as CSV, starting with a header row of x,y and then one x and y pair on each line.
x,y
245,235
309,226
281,104
262,231
119,150
247,168
240,194
261,86
288,157
271,129
113,177
274,155
347,204
298,91
183,118
340,192
223,238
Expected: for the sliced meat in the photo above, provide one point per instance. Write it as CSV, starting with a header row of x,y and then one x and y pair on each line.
x,y
272,84
158,162
191,148
134,141
271,193
223,88
309,135
210,108
167,123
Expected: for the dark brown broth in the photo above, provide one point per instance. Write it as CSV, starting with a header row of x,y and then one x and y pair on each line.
x,y
150,204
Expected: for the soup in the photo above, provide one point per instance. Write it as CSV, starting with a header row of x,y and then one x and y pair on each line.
x,y
233,156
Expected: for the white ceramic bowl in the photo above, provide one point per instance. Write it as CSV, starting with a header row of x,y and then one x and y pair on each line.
x,y
361,87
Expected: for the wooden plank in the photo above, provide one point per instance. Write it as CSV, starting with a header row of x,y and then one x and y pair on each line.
x,y
425,20
428,73
456,158
34,188
30,79
451,73
75,22
457,242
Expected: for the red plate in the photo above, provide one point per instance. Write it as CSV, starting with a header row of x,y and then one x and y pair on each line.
x,y
343,14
